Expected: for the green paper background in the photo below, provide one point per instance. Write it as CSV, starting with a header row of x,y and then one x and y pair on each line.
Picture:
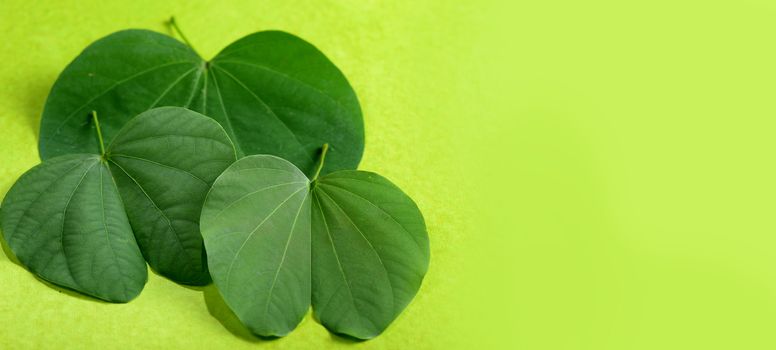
x,y
594,174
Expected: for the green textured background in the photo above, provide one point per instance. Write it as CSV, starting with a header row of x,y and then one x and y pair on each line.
x,y
594,174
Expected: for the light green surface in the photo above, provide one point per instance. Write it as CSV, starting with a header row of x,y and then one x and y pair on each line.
x,y
620,152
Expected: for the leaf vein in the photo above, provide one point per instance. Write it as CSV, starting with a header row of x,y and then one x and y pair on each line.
x,y
250,235
336,257
258,99
226,114
285,252
253,193
116,84
288,77
169,88
38,197
161,212
147,138
365,239
162,165
64,214
378,208
107,233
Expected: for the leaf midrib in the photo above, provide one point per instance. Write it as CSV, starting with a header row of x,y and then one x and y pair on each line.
x,y
162,165
161,212
250,235
266,106
285,251
64,216
8,235
420,247
169,88
379,258
252,193
286,76
336,258
223,109
107,233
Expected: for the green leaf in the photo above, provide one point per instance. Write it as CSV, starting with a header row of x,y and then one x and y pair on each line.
x,y
350,242
164,162
81,221
370,252
273,92
256,226
65,221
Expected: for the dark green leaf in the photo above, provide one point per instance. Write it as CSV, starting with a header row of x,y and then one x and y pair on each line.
x,y
355,241
164,162
70,220
65,221
274,93
370,252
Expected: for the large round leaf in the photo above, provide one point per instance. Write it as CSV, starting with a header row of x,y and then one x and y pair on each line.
x,y
273,92
71,219
350,242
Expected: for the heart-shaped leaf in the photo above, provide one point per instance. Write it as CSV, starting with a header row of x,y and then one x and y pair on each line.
x,y
273,92
350,242
65,221
71,219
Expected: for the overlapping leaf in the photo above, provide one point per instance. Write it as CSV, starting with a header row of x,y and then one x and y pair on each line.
x,y
81,221
350,242
273,92
65,221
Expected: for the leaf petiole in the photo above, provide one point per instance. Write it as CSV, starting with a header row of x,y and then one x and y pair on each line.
x,y
320,161
99,133
177,29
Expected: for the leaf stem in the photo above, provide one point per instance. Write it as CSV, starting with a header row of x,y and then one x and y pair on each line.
x,y
99,133
320,161
177,29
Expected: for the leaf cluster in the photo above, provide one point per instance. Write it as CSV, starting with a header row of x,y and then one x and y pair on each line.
x,y
239,170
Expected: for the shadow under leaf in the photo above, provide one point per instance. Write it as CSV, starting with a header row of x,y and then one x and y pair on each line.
x,y
217,308
70,292
344,338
